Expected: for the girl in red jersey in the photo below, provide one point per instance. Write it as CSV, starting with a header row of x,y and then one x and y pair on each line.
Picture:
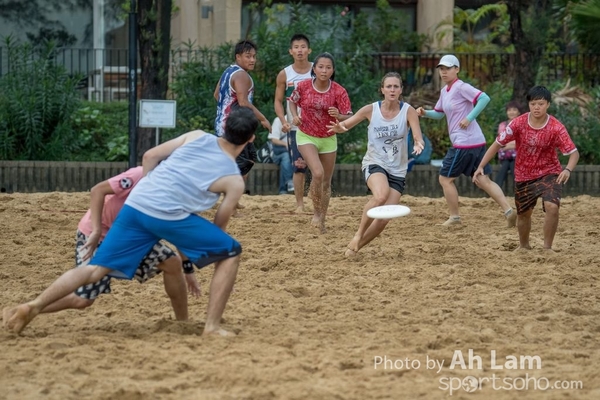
x,y
323,102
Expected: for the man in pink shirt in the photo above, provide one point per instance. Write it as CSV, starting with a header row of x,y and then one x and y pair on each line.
x,y
461,103
538,172
107,199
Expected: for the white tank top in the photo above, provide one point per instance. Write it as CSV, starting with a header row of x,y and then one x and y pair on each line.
x,y
178,186
387,141
292,78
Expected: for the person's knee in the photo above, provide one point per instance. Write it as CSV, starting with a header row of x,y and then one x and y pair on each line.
x,y
171,265
445,181
551,208
317,174
380,197
80,303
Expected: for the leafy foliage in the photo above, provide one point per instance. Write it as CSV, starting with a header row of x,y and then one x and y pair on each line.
x,y
37,99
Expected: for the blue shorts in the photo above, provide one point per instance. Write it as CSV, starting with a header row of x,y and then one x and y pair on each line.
x,y
459,162
133,234
395,182
295,153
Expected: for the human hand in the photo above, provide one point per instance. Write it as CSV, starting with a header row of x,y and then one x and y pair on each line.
x,y
297,120
300,163
91,245
564,176
418,148
334,112
286,127
193,286
336,127
420,111
266,124
464,123
477,174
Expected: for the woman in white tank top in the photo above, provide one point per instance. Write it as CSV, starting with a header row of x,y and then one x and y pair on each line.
x,y
385,163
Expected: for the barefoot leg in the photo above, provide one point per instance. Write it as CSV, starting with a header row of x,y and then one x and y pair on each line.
x,y
22,315
7,314
220,289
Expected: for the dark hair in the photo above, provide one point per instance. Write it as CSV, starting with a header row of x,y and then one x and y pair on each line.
x,y
513,104
298,37
323,55
240,125
539,93
244,46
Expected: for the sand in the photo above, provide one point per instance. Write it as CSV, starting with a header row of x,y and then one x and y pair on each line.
x,y
311,323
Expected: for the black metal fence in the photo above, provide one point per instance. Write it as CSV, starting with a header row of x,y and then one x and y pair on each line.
x,y
104,74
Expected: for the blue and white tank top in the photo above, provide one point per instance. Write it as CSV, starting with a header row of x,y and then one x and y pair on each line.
x,y
228,97
387,141
178,186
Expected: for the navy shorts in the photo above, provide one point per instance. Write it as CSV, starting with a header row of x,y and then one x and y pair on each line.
x,y
133,234
459,162
295,155
395,182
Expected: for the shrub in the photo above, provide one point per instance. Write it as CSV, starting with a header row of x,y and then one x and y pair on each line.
x,y
37,99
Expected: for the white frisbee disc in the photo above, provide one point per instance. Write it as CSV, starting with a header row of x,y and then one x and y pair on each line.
x,y
388,211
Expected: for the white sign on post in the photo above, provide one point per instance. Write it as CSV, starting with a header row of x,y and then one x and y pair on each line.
x,y
157,114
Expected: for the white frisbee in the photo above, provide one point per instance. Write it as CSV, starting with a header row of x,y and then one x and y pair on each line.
x,y
388,211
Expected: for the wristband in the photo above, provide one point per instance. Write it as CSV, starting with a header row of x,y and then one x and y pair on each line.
x,y
567,169
188,267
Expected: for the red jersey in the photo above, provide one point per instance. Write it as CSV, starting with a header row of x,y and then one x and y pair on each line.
x,y
315,105
536,147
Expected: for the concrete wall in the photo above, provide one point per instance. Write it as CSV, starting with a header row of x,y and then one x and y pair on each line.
x,y
223,22
207,22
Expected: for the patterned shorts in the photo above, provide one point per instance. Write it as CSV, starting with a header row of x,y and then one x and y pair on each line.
x,y
147,269
527,193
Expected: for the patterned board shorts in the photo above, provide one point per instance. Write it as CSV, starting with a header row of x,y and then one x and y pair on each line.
x,y
527,193
147,269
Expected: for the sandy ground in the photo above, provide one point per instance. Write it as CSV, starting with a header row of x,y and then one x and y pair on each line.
x,y
313,324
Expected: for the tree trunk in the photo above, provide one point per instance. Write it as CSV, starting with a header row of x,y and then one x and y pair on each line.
x,y
529,42
154,30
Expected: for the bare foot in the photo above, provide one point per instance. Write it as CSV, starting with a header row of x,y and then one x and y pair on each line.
x,y
21,316
240,206
218,331
7,314
299,210
522,249
353,245
350,253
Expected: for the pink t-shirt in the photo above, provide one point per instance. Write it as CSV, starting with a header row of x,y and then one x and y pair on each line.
x,y
536,147
121,184
315,106
457,100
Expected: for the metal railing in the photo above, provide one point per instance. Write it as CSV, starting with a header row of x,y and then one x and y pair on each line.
x,y
104,75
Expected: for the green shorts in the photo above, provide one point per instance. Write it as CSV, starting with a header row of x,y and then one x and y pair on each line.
x,y
323,145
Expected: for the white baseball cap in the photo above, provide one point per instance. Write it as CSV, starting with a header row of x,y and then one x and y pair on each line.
x,y
449,61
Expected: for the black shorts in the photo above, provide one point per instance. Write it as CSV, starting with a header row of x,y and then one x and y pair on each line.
x,y
246,159
395,182
527,193
459,162
295,155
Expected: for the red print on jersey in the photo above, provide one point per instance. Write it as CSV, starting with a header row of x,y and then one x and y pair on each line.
x,y
536,148
315,106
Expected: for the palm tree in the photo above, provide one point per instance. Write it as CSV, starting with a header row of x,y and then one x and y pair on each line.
x,y
585,17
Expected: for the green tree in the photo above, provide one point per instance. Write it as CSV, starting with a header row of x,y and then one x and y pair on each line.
x,y
529,22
